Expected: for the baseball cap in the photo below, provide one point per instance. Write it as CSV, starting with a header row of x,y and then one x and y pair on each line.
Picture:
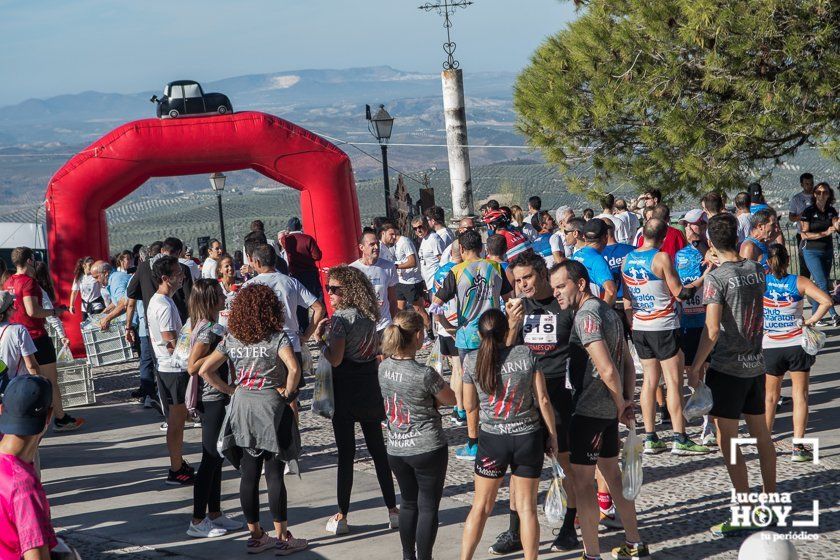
x,y
6,301
26,405
594,229
694,216
755,189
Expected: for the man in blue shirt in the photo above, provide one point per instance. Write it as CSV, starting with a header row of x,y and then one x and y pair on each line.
x,y
614,253
116,282
601,279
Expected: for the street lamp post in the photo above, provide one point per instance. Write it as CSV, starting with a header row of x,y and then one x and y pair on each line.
x,y
217,181
380,126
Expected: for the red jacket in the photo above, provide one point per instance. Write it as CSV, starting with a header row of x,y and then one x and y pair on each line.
x,y
302,252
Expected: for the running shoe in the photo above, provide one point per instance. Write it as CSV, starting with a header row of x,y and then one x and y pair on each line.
x,y
801,454
183,477
205,529
727,529
627,552
566,540
336,526
783,401
164,426
227,523
394,519
688,447
457,419
825,322
290,545
610,521
506,543
292,467
652,447
467,452
710,440
67,424
264,542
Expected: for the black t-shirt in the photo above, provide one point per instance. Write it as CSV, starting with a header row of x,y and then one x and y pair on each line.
x,y
819,221
142,286
545,331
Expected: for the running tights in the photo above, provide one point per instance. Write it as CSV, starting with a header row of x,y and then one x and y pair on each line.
x,y
207,491
249,486
421,479
345,441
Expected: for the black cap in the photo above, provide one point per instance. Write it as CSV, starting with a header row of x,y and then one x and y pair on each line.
x,y
594,229
26,405
293,224
755,189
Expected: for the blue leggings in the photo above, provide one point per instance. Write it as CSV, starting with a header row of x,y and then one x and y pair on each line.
x,y
819,263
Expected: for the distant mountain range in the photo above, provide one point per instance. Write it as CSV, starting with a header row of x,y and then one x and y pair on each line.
x,y
329,102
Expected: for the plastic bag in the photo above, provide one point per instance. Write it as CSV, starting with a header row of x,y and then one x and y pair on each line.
x,y
435,359
812,340
699,403
306,359
323,399
64,356
555,498
181,354
631,459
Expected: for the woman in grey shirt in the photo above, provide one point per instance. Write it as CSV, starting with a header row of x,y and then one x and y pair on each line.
x,y
351,348
261,420
417,449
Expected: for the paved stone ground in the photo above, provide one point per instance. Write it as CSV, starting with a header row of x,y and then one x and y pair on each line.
x,y
104,487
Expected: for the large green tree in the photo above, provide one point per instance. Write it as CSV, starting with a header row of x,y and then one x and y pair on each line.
x,y
683,95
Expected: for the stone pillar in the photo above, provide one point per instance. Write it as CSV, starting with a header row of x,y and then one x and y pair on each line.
x,y
455,118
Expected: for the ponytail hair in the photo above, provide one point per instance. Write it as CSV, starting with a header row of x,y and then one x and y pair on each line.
x,y
778,260
493,329
398,336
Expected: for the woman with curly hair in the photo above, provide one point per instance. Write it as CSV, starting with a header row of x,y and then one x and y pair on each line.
x,y
261,421
351,349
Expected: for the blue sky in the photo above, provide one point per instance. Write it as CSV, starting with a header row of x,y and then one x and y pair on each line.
x,y
52,47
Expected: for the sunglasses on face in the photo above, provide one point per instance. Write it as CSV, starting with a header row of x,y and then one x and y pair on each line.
x,y
821,193
569,231
333,289
418,228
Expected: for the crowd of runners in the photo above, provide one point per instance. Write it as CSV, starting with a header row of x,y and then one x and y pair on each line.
x,y
546,319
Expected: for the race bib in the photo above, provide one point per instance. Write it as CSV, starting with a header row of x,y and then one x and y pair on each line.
x,y
540,329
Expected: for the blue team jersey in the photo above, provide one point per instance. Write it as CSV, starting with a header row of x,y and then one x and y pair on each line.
x,y
542,244
689,264
596,265
614,254
762,260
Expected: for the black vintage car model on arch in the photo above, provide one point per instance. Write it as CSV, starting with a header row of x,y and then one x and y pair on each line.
x,y
185,97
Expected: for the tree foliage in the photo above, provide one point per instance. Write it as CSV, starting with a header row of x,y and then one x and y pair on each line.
x,y
683,95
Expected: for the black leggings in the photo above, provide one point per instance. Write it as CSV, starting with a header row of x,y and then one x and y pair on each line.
x,y
345,441
421,479
249,487
207,491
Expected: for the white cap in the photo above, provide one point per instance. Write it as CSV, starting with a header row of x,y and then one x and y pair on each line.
x,y
694,216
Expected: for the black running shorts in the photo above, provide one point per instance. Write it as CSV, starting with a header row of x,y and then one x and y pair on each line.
x,y
522,452
173,386
561,400
44,351
591,439
779,361
447,346
733,396
656,345
689,342
411,293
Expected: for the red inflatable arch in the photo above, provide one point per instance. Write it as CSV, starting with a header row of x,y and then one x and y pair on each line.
x,y
119,162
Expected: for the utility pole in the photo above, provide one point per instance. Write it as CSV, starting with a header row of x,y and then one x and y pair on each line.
x,y
454,114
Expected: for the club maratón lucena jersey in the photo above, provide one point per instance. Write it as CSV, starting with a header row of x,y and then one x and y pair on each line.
x,y
654,308
783,306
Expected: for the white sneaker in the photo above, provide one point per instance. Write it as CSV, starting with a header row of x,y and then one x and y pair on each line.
x,y
292,467
164,426
147,402
205,529
227,523
336,526
393,520
710,440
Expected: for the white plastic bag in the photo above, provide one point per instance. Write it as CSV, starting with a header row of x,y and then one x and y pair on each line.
x,y
631,459
699,403
555,498
181,354
306,359
435,359
64,355
812,340
323,399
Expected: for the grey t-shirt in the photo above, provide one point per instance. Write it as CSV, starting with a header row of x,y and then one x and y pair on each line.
x,y
409,390
739,288
512,409
257,366
211,334
594,320
361,339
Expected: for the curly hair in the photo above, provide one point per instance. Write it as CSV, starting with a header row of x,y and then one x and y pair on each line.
x,y
256,314
356,291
